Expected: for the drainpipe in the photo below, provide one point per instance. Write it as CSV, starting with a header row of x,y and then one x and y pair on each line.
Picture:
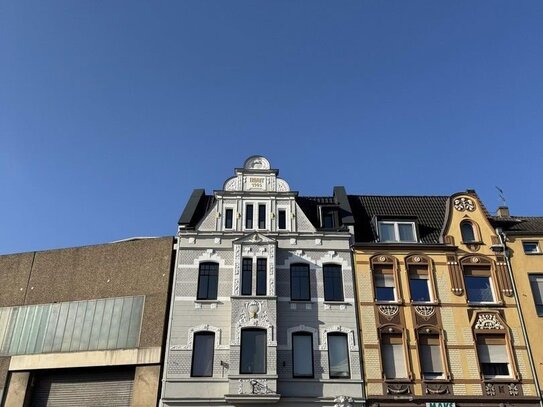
x,y
503,238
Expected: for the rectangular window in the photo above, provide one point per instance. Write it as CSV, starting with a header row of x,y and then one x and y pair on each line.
x,y
536,281
338,356
262,216
392,355
430,357
333,282
261,276
228,218
384,286
247,277
249,216
329,218
282,219
493,356
392,231
299,282
419,284
208,279
530,247
478,285
302,354
202,354
253,351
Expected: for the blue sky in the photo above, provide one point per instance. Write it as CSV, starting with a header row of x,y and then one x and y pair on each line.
x,y
112,112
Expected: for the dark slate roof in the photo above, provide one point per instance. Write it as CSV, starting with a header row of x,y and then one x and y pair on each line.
x,y
198,205
429,212
310,206
521,224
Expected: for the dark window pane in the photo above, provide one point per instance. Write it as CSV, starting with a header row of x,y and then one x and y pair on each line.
x,y
406,232
384,287
247,277
253,351
468,235
495,369
282,219
302,354
261,276
262,216
419,289
208,278
249,216
328,218
478,289
384,293
338,356
333,283
299,282
228,217
386,232
202,354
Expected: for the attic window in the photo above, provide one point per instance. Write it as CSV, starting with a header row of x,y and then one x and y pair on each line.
x,y
396,231
329,217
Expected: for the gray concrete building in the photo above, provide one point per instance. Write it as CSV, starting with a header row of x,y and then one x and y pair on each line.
x,y
84,326
263,305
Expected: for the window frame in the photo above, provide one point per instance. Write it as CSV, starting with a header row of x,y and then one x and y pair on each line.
x,y
233,220
259,272
194,346
308,268
310,351
255,218
336,268
481,272
427,333
246,290
502,337
474,231
326,210
527,242
343,335
389,332
265,356
532,278
200,278
282,209
375,286
396,224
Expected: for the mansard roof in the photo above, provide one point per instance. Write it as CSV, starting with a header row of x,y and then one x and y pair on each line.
x,y
428,211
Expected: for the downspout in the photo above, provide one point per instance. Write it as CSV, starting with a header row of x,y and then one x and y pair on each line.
x,y
506,253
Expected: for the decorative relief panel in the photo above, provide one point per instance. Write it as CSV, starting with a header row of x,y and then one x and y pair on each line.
x,y
503,276
437,389
464,204
397,389
455,272
255,314
388,311
254,386
237,268
488,321
502,390
193,330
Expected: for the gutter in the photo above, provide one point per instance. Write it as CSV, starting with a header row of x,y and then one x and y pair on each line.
x,y
506,253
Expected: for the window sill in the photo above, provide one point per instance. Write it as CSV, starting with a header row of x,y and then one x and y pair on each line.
x,y
533,254
473,242
501,379
395,302
399,380
443,380
486,304
301,302
208,301
430,303
342,302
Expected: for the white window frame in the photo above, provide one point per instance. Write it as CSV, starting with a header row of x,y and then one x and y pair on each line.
x,y
287,218
535,277
396,224
255,215
432,300
234,217
537,249
494,296
498,376
396,297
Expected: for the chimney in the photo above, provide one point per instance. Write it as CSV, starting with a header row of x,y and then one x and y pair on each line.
x,y
503,212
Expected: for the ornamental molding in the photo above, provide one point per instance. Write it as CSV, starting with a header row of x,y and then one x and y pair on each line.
x,y
256,163
389,311
237,268
425,311
437,389
338,328
200,328
398,389
343,401
259,386
513,389
464,204
302,328
334,257
254,314
488,321
490,390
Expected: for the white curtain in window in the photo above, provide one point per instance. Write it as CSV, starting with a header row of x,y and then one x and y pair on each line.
x,y
384,280
338,356
430,358
394,361
492,353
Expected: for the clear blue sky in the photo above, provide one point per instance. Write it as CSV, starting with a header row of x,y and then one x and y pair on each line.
x,y
112,112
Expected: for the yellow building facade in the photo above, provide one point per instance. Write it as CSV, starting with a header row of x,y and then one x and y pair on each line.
x,y
438,318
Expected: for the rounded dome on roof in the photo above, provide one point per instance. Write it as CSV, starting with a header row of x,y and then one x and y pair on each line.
x,y
256,162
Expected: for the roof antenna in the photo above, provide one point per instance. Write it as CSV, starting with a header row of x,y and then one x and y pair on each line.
x,y
501,196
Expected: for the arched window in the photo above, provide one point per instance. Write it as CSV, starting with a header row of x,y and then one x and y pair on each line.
x,y
302,354
253,351
202,354
468,231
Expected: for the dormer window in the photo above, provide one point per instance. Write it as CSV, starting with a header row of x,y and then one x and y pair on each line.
x,y
282,219
397,231
467,230
329,218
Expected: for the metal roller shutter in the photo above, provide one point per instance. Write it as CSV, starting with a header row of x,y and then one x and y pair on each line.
x,y
83,388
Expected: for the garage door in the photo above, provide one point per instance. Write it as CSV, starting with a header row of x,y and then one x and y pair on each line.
x,y
85,388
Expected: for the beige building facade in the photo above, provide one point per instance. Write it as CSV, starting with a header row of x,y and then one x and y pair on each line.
x,y
438,318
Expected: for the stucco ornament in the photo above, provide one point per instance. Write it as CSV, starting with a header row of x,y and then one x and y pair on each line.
x,y
513,389
464,204
343,401
389,310
488,321
425,311
257,163
490,390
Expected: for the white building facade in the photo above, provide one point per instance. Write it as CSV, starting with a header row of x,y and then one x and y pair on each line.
x,y
263,305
